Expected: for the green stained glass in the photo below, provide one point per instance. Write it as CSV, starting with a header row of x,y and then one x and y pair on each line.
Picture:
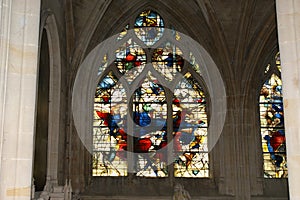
x,y
130,60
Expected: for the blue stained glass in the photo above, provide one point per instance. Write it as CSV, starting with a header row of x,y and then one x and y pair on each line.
x,y
103,65
130,60
104,88
168,60
142,118
272,126
190,129
148,107
149,27
109,138
106,83
149,18
150,113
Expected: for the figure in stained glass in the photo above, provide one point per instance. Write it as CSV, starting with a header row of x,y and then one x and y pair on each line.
x,y
149,113
129,56
168,60
109,140
190,131
151,103
272,125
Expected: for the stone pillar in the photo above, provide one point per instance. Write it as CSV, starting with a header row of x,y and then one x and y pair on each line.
x,y
288,15
19,32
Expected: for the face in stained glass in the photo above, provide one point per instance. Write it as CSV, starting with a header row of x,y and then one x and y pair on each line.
x,y
272,128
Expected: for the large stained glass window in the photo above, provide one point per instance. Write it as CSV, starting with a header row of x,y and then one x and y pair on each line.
x,y
147,99
272,123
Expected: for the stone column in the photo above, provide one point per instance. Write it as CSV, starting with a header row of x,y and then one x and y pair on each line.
x,y
288,14
19,32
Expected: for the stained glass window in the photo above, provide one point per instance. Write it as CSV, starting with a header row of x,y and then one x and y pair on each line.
x,y
272,124
130,59
190,129
109,140
123,33
149,114
138,112
168,60
149,27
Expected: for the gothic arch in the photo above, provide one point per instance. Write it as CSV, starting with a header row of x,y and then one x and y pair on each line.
x,y
48,23
98,21
88,77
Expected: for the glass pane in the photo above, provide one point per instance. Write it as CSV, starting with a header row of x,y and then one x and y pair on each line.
x,y
123,33
194,64
109,139
277,60
149,27
168,60
272,129
149,115
271,92
148,132
103,65
190,129
176,34
130,60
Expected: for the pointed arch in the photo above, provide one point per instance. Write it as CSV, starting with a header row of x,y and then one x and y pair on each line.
x,y
150,108
272,123
93,71
50,31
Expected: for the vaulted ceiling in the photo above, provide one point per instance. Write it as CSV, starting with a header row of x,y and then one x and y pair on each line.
x,y
232,30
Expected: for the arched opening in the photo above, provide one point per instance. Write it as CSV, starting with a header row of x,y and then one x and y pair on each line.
x,y
161,114
170,57
272,123
42,115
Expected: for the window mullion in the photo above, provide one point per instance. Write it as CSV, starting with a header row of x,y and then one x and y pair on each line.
x,y
170,153
130,144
